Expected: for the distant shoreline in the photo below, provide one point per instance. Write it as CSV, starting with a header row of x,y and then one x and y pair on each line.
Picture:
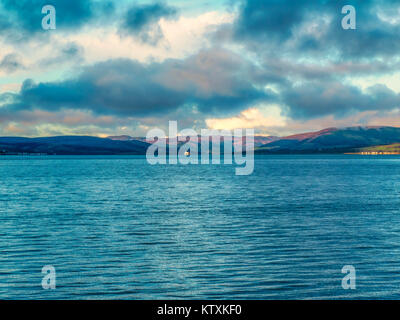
x,y
375,153
351,140
255,154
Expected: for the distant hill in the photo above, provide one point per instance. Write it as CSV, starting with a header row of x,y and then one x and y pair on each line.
x,y
333,140
258,140
71,145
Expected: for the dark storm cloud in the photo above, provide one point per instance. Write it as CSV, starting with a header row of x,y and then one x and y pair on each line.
x,y
264,24
216,81
315,99
265,18
142,21
7,97
139,17
303,44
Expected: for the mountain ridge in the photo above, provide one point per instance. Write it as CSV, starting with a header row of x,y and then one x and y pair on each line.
x,y
70,145
329,140
335,140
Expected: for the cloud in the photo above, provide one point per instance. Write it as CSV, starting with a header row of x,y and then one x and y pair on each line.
x,y
315,70
216,81
142,21
11,63
67,53
151,63
181,37
253,118
314,27
315,99
302,48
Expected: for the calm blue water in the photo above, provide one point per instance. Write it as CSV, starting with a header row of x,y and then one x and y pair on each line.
x,y
118,228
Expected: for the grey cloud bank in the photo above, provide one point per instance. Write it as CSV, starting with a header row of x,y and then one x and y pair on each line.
x,y
215,81
291,53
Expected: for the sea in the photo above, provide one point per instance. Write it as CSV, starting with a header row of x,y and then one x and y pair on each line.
x,y
116,227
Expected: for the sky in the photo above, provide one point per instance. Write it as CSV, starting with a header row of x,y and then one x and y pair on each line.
x,y
122,67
